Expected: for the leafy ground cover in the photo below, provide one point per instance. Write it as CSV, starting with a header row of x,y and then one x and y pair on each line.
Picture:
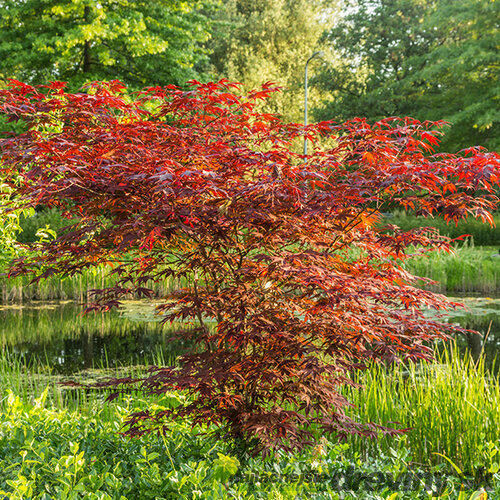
x,y
55,453
66,444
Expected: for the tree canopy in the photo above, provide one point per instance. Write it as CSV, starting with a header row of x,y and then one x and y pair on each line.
x,y
431,59
269,40
153,42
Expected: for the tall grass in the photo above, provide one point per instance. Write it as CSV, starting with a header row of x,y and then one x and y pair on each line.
x,y
29,381
452,407
469,270
482,234
19,289
19,378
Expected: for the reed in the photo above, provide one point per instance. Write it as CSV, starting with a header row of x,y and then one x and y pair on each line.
x,y
28,381
468,270
452,407
16,376
19,289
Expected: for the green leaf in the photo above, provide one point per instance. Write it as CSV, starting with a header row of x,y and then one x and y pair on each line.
x,y
225,467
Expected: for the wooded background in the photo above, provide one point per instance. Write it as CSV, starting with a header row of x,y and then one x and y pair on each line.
x,y
429,59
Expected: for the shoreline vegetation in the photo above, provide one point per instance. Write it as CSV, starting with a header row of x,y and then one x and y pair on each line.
x,y
66,443
471,270
418,396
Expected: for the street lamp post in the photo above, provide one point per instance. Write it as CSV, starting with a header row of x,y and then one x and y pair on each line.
x,y
316,54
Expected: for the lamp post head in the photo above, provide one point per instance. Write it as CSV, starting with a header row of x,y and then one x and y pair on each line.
x,y
319,53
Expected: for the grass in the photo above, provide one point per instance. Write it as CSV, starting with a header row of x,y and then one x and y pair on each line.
x,y
470,269
452,408
482,234
48,453
19,289
29,381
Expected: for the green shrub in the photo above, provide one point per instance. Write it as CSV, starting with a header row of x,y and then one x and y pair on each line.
x,y
50,217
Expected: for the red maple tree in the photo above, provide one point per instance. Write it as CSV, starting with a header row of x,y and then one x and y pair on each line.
x,y
289,279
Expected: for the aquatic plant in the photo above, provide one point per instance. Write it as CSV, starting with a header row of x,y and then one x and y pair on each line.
x,y
452,407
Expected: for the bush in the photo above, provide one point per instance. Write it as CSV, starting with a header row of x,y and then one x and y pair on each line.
x,y
50,217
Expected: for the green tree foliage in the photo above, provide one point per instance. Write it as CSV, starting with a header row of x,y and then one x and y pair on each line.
x,y
139,42
9,225
425,58
269,40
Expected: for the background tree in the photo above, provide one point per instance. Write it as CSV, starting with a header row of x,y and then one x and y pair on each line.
x,y
290,284
9,226
269,40
153,42
431,59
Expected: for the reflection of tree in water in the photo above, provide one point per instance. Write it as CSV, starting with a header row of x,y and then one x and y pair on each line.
x,y
488,325
67,341
474,344
88,349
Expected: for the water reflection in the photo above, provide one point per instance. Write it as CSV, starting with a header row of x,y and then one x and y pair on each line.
x,y
483,315
57,334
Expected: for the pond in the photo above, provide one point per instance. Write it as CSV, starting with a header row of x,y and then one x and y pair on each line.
x,y
57,335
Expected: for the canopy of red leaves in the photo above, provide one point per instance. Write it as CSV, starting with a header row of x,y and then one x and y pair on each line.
x,y
290,281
